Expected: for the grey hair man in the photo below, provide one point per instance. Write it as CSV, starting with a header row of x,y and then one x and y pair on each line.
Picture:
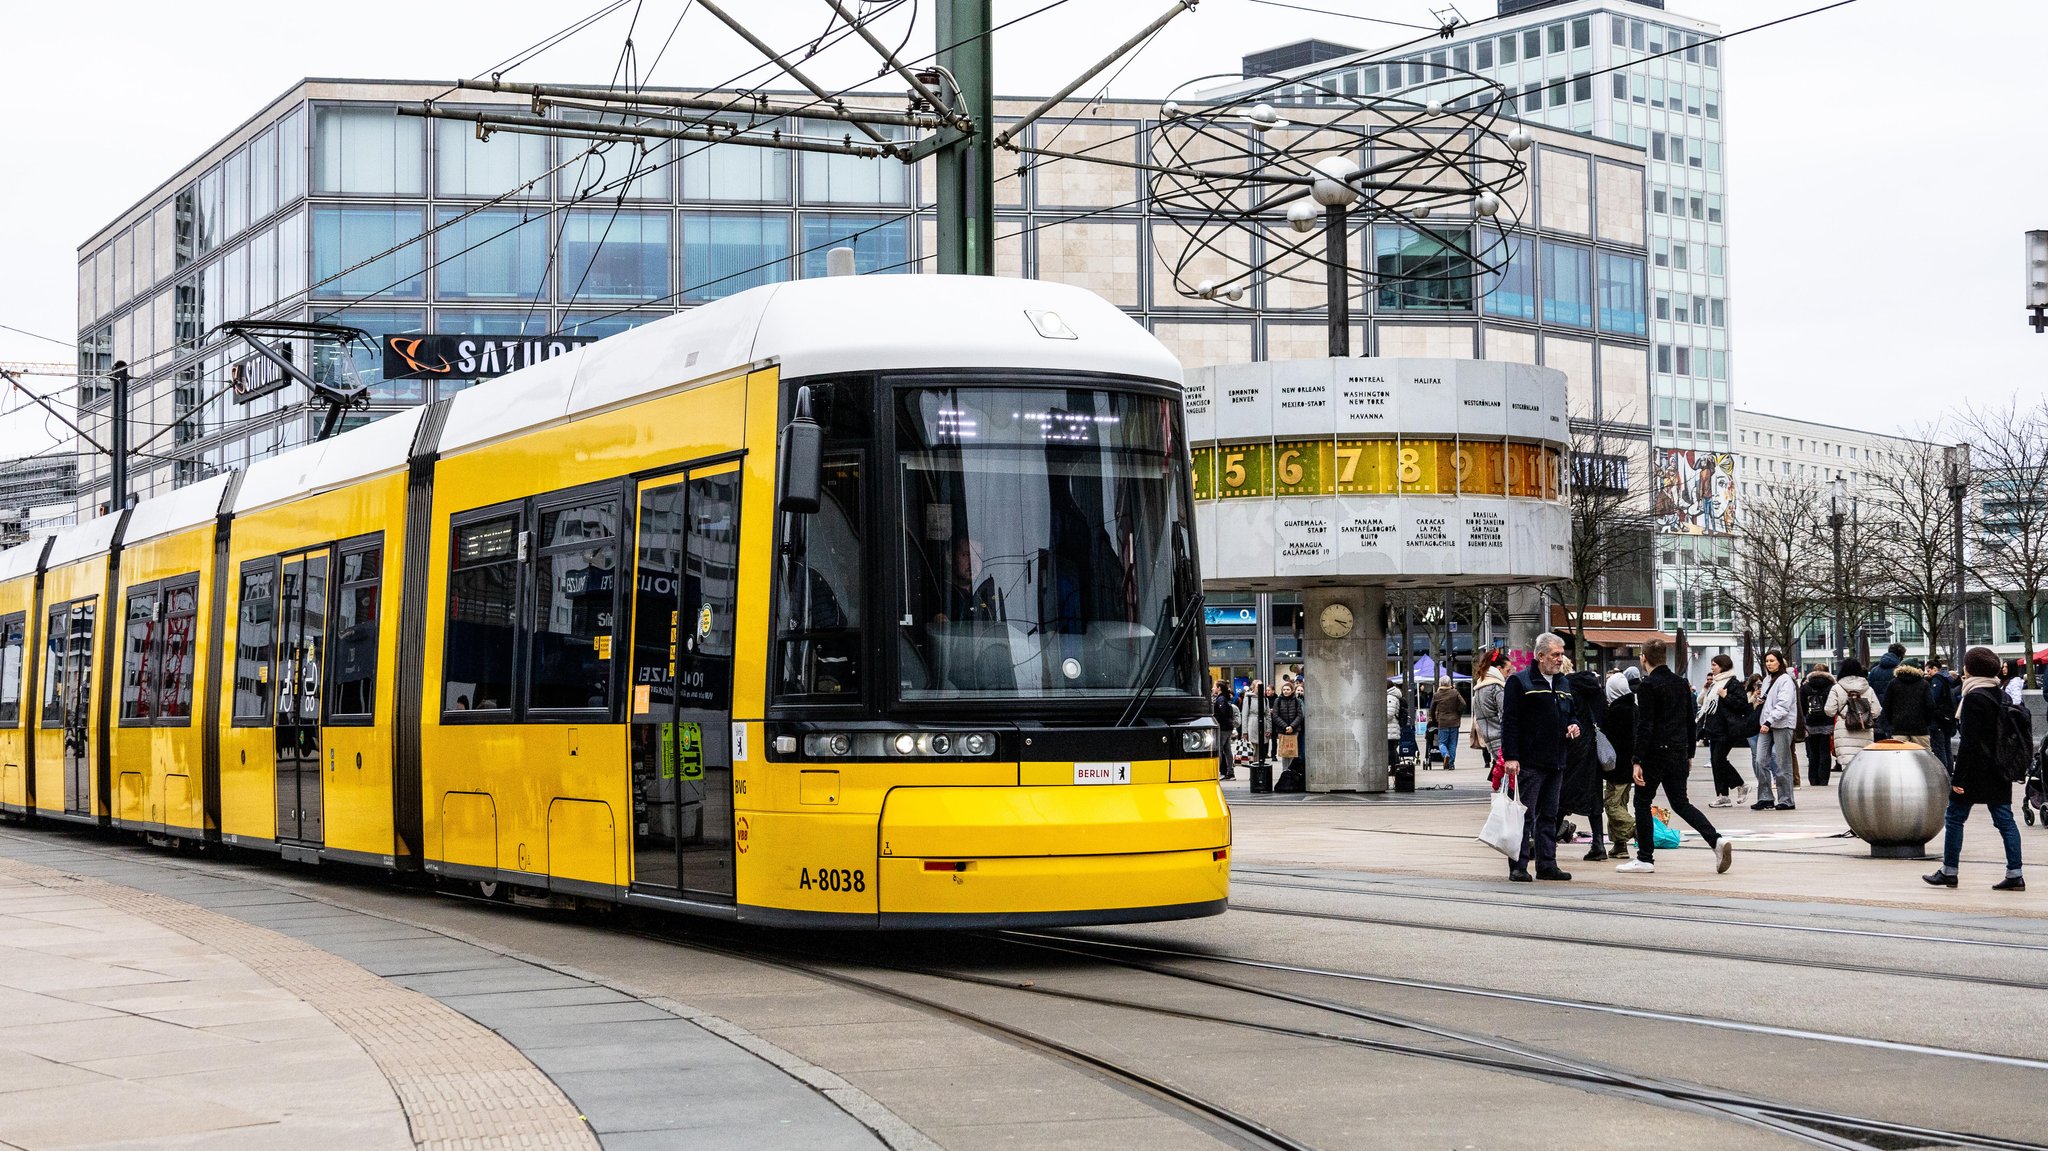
x,y
1539,719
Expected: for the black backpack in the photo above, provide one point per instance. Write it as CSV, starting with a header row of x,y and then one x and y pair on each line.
x,y
2015,739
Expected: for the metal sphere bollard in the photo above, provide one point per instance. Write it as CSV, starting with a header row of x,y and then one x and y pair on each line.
x,y
1894,795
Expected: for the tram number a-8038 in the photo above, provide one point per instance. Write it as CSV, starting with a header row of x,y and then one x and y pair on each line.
x,y
832,879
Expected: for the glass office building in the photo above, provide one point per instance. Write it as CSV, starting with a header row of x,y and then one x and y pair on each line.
x,y
328,205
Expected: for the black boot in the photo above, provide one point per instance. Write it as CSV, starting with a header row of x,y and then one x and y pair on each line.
x,y
1551,872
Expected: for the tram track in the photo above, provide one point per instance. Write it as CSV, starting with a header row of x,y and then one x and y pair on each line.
x,y
1242,878
1821,1127
1652,948
870,975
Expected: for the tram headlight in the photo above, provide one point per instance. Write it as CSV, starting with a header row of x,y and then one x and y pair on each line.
x,y
832,743
1198,740
942,744
906,744
977,743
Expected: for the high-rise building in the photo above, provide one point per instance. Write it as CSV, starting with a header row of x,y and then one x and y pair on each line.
x,y
1629,72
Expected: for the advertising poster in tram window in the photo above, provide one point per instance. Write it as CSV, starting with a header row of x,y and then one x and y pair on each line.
x,y
1695,493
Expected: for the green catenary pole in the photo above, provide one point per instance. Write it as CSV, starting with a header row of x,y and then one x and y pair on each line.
x,y
966,164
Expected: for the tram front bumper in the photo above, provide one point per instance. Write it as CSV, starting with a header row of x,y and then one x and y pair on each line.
x,y
965,856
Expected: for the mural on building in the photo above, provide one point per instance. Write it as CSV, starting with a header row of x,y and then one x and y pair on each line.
x,y
1695,492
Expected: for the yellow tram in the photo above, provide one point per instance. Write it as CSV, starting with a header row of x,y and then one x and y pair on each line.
x,y
866,602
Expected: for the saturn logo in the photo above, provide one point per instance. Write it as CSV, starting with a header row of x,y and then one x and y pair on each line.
x,y
408,349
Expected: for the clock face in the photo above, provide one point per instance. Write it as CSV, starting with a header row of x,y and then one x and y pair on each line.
x,y
1336,621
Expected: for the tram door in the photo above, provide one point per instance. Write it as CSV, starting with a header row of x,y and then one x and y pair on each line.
x,y
686,565
70,700
301,659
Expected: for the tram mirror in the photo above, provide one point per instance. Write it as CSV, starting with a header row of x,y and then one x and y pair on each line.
x,y
802,457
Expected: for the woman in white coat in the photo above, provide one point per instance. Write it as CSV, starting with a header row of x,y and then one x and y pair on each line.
x,y
1778,714
1854,706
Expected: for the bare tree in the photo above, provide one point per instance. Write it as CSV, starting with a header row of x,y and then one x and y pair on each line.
x,y
1613,536
1780,577
1909,525
2008,517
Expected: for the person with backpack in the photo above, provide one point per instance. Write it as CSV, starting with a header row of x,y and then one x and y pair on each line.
x,y
1777,715
1820,726
1723,718
1619,726
1997,742
1855,706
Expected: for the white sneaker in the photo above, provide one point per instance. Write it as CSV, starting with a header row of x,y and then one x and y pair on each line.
x,y
1724,855
1636,866
1722,801
1741,797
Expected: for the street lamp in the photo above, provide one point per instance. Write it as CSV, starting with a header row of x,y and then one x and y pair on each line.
x,y
1838,514
1956,461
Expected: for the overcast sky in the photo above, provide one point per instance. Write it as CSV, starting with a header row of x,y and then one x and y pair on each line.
x,y
1883,159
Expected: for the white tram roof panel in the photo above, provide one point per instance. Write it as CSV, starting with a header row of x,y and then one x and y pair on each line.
x,y
373,449
176,510
815,327
22,558
82,541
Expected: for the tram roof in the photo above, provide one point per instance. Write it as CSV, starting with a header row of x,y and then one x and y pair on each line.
x,y
807,327
816,327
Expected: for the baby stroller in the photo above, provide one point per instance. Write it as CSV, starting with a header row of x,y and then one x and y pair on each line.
x,y
2035,801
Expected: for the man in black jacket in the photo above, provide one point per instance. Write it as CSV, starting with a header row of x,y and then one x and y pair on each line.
x,y
1225,713
1665,736
1538,721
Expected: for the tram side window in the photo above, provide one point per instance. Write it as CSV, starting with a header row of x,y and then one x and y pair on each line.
x,y
68,679
483,619
569,653
354,660
12,647
54,636
818,636
174,665
139,656
255,638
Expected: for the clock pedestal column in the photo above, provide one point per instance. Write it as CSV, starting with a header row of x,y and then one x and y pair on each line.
x,y
1346,718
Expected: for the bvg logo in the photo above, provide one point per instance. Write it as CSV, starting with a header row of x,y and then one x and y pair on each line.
x,y
408,349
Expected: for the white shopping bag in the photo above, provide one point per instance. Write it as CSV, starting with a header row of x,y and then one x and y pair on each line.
x,y
1503,830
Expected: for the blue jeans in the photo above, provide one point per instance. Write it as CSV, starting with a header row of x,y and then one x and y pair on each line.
x,y
2001,818
1773,765
1447,743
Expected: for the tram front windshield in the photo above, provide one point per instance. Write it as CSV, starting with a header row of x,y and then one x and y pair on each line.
x,y
1045,545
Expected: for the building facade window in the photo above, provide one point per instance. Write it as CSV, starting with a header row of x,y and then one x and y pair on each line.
x,y
727,252
1621,295
504,165
1510,292
345,237
1567,285
608,255
367,150
490,255
1421,271
879,243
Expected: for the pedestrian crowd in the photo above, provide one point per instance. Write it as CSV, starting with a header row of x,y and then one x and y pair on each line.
x,y
1565,742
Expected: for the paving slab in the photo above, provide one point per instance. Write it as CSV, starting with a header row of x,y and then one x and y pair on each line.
x,y
148,1006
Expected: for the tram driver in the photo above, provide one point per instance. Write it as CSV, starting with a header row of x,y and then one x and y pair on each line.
x,y
970,592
